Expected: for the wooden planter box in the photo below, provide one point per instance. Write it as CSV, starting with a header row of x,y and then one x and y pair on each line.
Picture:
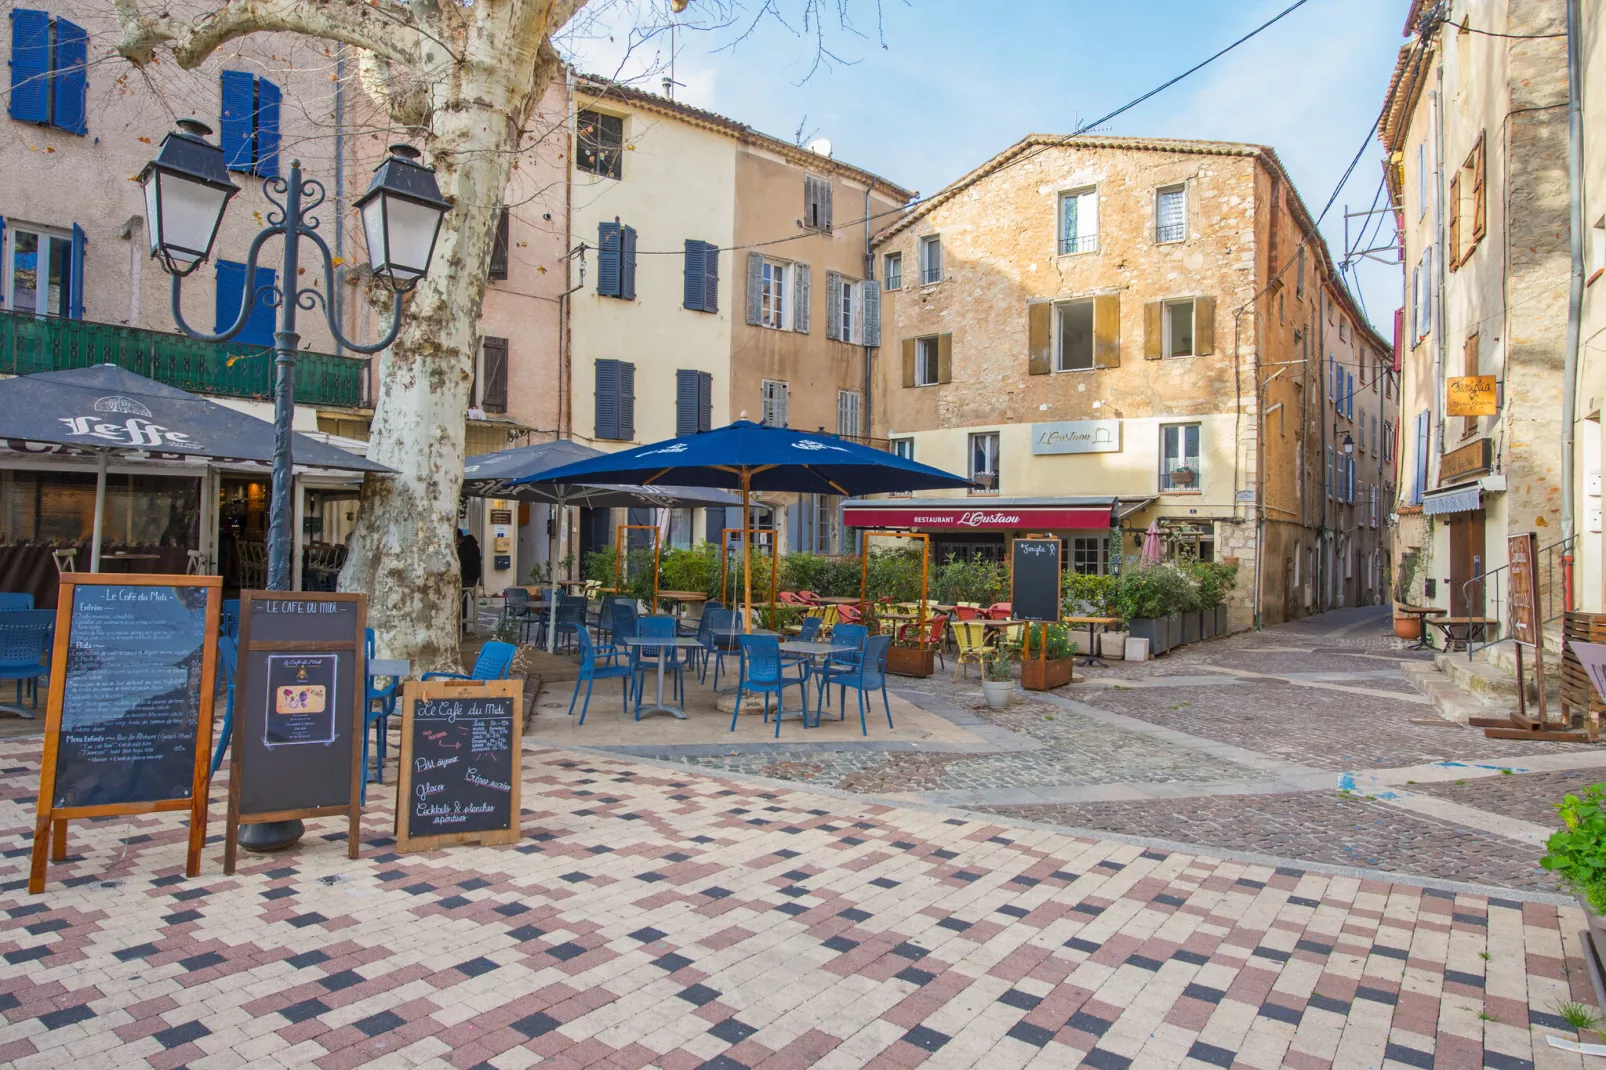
x,y
911,660
1044,675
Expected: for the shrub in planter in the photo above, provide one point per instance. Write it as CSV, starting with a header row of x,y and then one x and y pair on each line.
x,y
1087,595
910,658
1576,852
1053,668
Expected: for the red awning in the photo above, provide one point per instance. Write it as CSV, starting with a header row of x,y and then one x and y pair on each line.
x,y
975,518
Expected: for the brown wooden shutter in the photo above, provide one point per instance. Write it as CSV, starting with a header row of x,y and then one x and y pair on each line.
x,y
1455,221
1107,331
1204,326
1153,330
499,247
945,357
1479,218
1039,337
908,362
493,354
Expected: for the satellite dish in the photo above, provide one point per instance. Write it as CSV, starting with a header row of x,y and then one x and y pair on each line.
x,y
820,146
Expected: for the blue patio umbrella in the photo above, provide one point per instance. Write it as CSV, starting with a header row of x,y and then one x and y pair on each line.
x,y
748,456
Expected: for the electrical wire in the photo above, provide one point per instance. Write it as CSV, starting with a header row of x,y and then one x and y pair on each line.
x,y
1510,36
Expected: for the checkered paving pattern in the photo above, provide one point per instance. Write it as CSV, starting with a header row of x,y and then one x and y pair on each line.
x,y
658,917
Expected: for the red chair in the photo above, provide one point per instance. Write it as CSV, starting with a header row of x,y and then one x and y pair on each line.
x,y
849,614
998,611
935,627
967,613
791,599
810,598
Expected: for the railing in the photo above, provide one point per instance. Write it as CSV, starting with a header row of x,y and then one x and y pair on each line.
x,y
1549,592
1170,232
1078,243
30,344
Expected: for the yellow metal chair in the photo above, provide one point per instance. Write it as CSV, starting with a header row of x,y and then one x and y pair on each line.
x,y
970,637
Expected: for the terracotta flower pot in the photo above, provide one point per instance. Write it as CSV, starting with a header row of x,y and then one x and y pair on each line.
x,y
1408,628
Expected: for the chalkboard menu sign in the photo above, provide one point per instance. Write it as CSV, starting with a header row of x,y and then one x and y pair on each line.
x,y
460,764
296,751
130,704
1034,588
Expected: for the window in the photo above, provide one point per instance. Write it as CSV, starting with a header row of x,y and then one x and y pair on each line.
x,y
903,447
42,270
1343,329
616,261
775,397
601,141
849,406
772,295
490,378
701,288
984,462
616,400
48,62
850,308
892,270
694,401
249,130
926,360
499,243
816,202
815,523
1087,554
1179,328
1079,221
1422,179
847,322
1179,457
1387,440
1299,274
930,260
1422,295
259,326
1075,351
680,529
1329,481
1423,431
1170,214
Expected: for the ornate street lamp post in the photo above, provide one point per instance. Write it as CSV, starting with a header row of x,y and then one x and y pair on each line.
x,y
187,188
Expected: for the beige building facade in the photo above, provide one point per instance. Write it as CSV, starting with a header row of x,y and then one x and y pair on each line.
x,y
1590,446
1106,333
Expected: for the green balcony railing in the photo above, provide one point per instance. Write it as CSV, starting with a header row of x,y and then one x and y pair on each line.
x,y
30,344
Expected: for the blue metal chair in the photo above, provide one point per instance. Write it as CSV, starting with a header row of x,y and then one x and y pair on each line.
x,y
228,657
870,675
597,665
718,636
228,619
570,617
519,610
495,662
379,705
843,662
764,672
645,658
15,601
24,647
621,617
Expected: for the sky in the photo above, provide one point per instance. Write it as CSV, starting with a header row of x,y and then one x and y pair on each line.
x,y
922,91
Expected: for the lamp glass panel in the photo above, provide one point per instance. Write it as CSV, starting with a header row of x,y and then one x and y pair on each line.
x,y
153,214
411,235
189,215
373,231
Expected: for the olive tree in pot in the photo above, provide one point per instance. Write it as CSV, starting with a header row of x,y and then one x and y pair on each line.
x,y
997,680
1576,853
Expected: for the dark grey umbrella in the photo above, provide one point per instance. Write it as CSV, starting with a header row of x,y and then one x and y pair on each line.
x,y
493,475
105,409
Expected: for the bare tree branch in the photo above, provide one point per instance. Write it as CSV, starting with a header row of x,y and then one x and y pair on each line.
x,y
386,33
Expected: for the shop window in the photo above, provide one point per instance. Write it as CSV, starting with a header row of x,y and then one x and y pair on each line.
x,y
984,462
1087,554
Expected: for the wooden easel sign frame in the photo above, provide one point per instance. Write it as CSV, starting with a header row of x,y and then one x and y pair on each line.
x,y
438,764
119,603
287,712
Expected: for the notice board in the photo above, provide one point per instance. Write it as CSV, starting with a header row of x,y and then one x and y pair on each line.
x,y
133,665
1034,582
462,744
296,751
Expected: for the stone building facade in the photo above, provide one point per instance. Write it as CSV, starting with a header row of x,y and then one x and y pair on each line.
x,y
1148,331
1476,127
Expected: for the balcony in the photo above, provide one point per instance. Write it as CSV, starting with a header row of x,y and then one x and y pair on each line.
x,y
30,344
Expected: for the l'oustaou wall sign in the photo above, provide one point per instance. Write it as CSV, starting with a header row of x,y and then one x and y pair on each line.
x,y
1077,436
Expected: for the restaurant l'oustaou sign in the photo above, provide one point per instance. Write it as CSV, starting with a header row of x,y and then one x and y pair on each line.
x,y
1002,519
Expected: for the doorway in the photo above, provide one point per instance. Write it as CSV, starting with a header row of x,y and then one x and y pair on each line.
x,y
1467,563
243,532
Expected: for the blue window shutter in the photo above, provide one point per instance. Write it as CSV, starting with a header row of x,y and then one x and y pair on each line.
x,y
627,263
230,291
685,399
70,83
627,400
607,399
705,401
30,66
693,296
75,274
608,259
239,101
267,129
259,328
710,277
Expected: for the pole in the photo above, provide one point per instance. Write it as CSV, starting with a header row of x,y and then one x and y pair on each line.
x,y
1575,295
558,510
100,509
285,343
747,555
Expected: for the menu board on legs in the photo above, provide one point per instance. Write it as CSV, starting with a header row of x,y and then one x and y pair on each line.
x,y
460,764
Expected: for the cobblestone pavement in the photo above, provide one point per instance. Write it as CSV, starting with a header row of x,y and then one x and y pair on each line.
x,y
660,917
1529,796
1319,826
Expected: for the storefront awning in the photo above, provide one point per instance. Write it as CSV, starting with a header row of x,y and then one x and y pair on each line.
x,y
1462,499
946,514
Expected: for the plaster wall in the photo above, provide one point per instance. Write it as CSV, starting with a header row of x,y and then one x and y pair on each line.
x,y
1590,458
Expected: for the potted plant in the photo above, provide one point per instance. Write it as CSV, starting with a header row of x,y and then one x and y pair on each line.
x,y
911,657
1182,476
997,680
1576,853
1407,626
1053,668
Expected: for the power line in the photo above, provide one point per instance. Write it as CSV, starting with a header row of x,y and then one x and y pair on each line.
x,y
1510,36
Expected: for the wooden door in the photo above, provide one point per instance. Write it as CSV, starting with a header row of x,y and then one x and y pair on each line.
x,y
1467,562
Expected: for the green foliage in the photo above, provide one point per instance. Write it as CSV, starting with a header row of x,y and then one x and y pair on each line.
x,y
598,565
828,577
1213,580
696,569
1577,1015
541,574
895,574
970,579
1059,641
1155,591
997,668
1087,595
1576,852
